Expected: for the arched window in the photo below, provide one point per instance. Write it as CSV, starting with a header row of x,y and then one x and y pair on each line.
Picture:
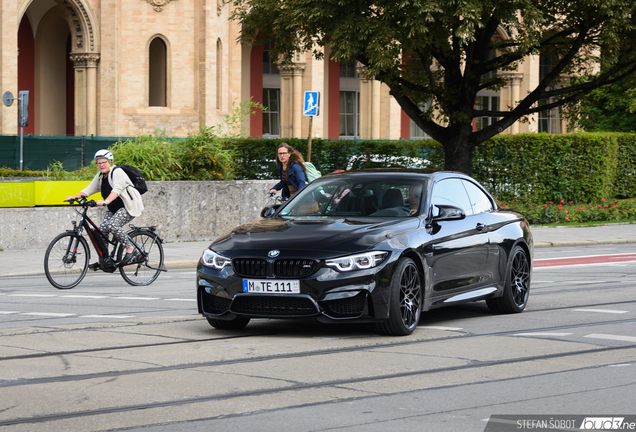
x,y
157,73
219,74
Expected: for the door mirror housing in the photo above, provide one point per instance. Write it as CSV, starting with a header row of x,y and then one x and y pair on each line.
x,y
269,211
448,212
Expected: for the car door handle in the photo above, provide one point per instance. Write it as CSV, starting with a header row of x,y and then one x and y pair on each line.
x,y
481,227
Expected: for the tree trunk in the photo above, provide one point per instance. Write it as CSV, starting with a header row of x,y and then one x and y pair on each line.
x,y
458,150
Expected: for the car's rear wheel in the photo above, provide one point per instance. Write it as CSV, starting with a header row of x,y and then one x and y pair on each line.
x,y
516,287
232,324
405,305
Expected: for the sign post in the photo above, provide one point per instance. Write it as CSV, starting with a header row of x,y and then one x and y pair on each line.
x,y
23,115
311,108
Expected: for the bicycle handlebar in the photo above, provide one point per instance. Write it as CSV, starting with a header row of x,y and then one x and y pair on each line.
x,y
81,202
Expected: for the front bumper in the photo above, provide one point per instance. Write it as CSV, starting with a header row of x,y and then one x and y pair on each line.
x,y
328,295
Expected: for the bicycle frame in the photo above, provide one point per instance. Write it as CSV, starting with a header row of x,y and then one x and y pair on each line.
x,y
101,241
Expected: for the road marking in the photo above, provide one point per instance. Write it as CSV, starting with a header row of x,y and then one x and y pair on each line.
x,y
583,260
543,334
8,312
612,337
442,328
137,298
31,295
107,316
84,296
49,314
178,299
600,311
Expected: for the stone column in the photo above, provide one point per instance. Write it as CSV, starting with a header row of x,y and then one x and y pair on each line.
x,y
514,84
291,99
375,109
365,108
85,65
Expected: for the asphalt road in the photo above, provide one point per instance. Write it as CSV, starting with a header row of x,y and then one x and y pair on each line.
x,y
117,357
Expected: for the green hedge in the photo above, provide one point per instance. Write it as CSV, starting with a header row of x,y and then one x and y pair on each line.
x,y
532,168
256,157
581,167
541,167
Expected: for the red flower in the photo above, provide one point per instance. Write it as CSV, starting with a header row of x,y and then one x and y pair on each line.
x,y
551,202
545,205
504,206
602,199
571,202
562,201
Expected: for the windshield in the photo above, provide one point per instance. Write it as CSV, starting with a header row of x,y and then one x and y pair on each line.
x,y
373,196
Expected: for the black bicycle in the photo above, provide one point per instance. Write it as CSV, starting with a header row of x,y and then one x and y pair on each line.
x,y
67,258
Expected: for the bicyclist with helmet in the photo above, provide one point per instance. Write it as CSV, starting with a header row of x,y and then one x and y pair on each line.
x,y
121,207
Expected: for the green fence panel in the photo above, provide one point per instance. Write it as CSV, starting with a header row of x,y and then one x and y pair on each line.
x,y
39,152
10,151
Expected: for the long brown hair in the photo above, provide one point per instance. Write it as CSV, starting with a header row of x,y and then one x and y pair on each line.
x,y
294,156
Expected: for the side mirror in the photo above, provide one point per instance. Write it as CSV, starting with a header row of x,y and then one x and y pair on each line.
x,y
448,212
269,211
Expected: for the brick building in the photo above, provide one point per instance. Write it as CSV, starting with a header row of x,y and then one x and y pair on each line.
x,y
127,67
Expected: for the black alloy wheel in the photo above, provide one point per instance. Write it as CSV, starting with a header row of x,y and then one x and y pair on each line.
x,y
405,306
516,287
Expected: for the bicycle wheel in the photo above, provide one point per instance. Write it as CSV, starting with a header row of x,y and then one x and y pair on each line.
x,y
66,260
145,268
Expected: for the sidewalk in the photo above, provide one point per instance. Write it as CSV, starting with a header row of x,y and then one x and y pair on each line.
x,y
183,255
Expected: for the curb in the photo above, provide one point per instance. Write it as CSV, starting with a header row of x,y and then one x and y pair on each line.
x,y
545,244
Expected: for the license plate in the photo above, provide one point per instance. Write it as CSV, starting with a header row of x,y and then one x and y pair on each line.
x,y
271,286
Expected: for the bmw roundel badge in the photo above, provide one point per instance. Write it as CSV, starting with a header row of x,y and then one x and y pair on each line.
x,y
273,253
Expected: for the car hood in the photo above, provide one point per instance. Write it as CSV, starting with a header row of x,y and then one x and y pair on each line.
x,y
317,237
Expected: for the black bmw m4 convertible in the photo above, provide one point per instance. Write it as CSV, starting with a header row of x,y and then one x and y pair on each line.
x,y
376,246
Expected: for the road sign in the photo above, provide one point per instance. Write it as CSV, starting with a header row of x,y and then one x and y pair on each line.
x,y
7,98
23,108
312,103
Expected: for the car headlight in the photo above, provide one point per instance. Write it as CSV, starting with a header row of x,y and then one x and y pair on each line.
x,y
357,262
214,260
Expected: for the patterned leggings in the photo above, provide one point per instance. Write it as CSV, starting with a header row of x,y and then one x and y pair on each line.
x,y
114,223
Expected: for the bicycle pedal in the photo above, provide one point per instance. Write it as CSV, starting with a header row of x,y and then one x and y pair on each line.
x,y
94,266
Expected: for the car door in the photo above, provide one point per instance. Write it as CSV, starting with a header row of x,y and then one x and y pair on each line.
x,y
483,205
459,250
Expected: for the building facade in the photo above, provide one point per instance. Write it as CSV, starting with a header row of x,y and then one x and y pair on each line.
x,y
129,67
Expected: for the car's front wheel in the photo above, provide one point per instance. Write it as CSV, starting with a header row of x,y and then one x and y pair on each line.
x,y
516,286
232,324
405,305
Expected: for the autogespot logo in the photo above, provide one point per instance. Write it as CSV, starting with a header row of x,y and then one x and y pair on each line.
x,y
602,423
273,253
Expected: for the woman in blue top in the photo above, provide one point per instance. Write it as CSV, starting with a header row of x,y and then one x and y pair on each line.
x,y
291,170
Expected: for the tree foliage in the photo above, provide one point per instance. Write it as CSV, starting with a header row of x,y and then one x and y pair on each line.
x,y
607,109
436,55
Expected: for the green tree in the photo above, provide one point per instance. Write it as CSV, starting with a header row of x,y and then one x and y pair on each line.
x,y
436,55
607,109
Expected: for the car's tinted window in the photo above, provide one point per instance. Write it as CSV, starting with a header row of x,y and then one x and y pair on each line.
x,y
375,196
451,192
479,200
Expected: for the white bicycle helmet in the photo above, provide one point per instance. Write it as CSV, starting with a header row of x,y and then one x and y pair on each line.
x,y
103,154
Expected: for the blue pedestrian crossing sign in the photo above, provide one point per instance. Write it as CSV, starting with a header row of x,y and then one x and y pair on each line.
x,y
311,107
